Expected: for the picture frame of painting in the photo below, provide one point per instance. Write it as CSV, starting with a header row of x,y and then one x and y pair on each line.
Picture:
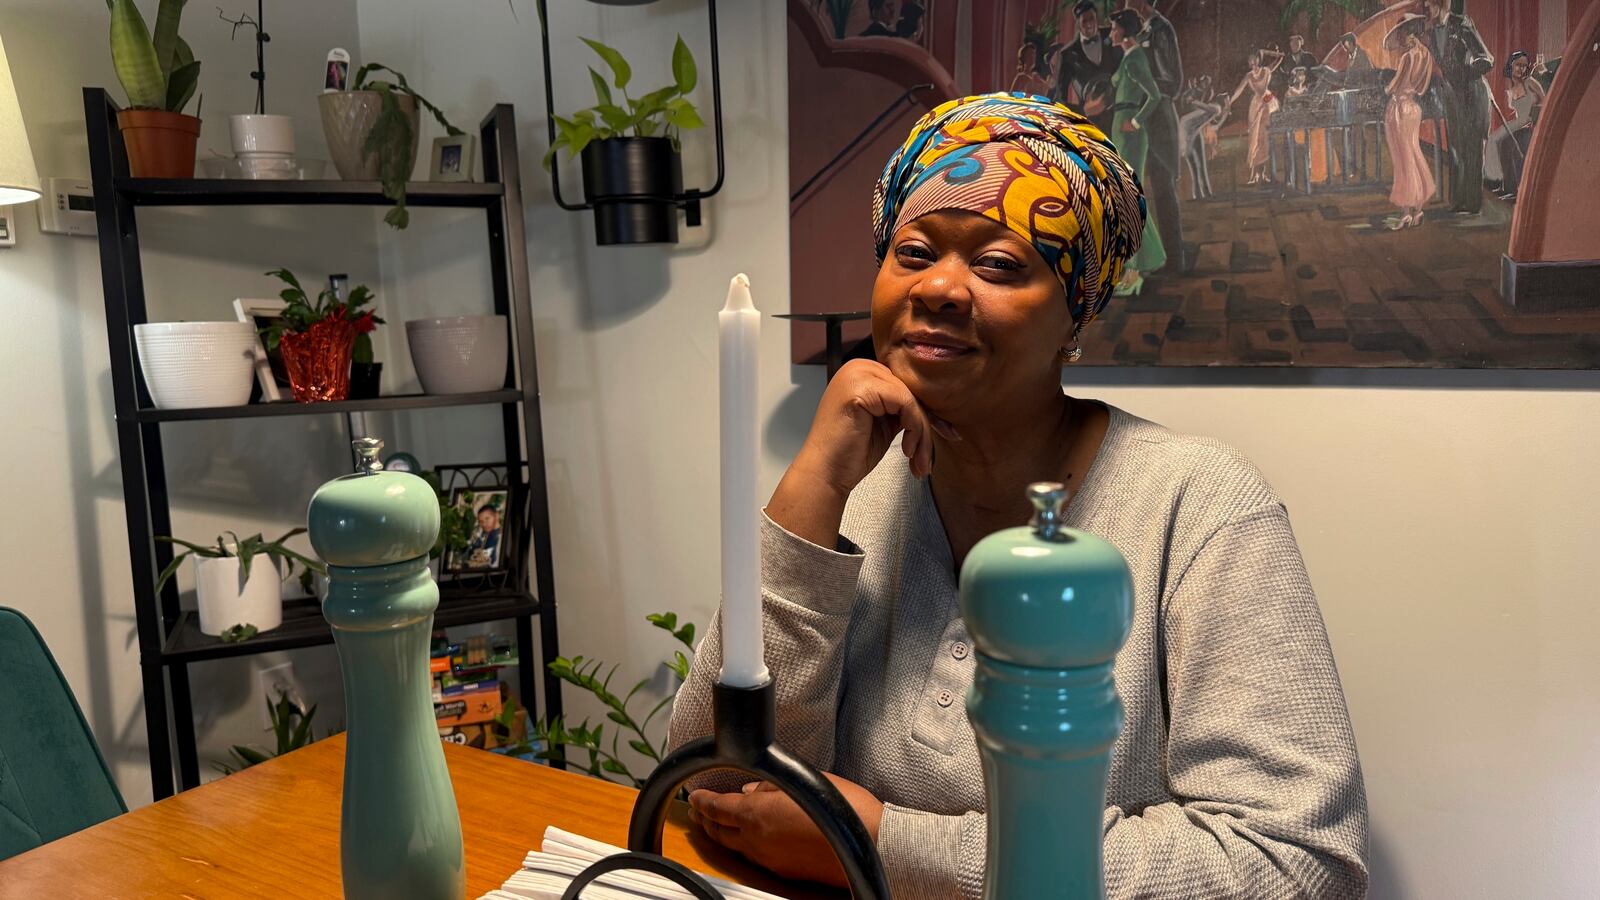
x,y
1332,183
271,375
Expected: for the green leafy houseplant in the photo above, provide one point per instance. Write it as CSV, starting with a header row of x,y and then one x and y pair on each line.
x,y
455,521
247,549
391,138
664,112
158,71
291,728
604,757
301,312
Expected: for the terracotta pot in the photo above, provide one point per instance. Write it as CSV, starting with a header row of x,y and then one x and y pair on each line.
x,y
318,360
347,117
160,144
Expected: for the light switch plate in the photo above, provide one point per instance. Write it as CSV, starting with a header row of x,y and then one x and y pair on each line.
x,y
8,226
67,207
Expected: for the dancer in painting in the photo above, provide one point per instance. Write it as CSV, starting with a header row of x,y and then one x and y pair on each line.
x,y
1263,103
1201,116
1138,99
1464,59
1413,181
1027,78
1508,146
1085,66
1160,39
882,24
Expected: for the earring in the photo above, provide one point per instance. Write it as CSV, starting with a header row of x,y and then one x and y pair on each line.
x,y
1071,354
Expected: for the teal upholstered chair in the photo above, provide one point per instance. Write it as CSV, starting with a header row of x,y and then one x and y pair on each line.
x,y
53,780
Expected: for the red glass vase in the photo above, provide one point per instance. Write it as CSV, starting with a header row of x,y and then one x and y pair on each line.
x,y
317,360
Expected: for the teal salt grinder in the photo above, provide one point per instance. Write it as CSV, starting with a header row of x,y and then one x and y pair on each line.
x,y
400,834
1048,607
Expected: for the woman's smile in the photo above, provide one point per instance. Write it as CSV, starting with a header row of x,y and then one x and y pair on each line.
x,y
936,346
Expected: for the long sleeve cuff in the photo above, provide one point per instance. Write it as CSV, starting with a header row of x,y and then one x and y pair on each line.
x,y
800,572
922,853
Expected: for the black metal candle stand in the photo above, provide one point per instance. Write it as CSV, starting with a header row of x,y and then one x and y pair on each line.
x,y
743,737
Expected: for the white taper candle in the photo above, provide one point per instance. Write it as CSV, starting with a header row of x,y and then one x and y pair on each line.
x,y
739,339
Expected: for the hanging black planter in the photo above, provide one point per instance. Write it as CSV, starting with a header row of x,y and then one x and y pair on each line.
x,y
633,183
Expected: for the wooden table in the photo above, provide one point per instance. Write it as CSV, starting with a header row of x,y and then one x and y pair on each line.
x,y
272,831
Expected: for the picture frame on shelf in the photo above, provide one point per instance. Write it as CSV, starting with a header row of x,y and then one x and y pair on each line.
x,y
453,157
270,372
484,513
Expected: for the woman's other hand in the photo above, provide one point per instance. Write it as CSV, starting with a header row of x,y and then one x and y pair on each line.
x,y
765,826
860,413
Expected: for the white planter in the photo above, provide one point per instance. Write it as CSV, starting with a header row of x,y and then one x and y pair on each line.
x,y
269,136
195,364
459,354
223,605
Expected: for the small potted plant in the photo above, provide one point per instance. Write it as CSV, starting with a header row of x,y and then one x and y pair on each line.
x,y
630,149
159,74
455,525
238,597
364,373
318,337
372,131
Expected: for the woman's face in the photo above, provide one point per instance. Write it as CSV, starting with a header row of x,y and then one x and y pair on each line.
x,y
1117,34
1521,68
967,313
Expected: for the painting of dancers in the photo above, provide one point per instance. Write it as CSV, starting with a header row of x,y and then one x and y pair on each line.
x,y
1343,183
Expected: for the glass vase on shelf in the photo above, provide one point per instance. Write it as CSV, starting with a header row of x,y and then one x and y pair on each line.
x,y
318,360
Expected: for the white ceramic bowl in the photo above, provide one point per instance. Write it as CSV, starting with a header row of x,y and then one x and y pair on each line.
x,y
459,354
268,135
196,364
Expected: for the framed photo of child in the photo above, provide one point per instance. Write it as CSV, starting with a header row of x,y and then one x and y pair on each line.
x,y
452,158
482,515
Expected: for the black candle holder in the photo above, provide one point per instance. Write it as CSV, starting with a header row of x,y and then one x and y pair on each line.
x,y
744,729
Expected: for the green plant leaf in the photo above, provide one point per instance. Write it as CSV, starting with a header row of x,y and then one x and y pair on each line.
x,y
181,86
133,55
667,620
679,664
614,767
206,551
682,115
171,569
165,37
391,140
621,72
683,67
618,718
602,91
239,633
249,757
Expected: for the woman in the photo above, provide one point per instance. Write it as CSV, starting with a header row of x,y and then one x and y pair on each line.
x,y
1508,145
1027,80
1001,226
1413,180
1197,128
1135,102
1263,103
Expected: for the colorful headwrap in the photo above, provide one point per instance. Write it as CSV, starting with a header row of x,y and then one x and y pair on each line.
x,y
1032,165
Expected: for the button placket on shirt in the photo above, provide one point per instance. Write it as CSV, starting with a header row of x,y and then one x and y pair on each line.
x,y
940,716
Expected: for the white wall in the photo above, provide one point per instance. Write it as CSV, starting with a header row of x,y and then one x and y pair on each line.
x,y
1448,518
63,544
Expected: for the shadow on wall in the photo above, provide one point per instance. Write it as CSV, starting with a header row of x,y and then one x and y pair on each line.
x,y
1385,881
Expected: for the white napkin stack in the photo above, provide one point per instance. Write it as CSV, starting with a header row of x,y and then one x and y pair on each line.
x,y
547,872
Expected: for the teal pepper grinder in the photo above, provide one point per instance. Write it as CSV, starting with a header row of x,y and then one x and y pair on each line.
x,y
400,834
1048,608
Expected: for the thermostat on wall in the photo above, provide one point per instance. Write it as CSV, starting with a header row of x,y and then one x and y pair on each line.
x,y
67,207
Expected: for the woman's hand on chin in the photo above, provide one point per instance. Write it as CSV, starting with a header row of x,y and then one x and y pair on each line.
x,y
860,413
770,830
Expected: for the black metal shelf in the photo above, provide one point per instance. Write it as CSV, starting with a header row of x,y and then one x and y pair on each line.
x,y
291,408
304,626
169,637
270,192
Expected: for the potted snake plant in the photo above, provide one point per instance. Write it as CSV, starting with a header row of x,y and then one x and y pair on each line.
x,y
159,73
630,149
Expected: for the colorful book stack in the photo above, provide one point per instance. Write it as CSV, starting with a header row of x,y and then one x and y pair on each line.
x,y
469,700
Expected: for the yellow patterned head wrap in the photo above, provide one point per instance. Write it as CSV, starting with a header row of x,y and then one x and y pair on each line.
x,y
1032,165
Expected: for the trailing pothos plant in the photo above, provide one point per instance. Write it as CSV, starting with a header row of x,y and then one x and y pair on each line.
x,y
301,312
664,112
391,138
604,758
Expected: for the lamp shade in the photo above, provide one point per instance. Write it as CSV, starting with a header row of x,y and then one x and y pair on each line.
x,y
19,180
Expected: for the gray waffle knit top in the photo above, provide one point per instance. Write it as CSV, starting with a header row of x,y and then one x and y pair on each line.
x,y
1235,774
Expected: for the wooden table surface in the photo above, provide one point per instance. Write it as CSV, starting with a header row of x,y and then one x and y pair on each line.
x,y
272,831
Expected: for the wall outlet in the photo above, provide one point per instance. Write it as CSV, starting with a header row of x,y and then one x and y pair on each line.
x,y
280,679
